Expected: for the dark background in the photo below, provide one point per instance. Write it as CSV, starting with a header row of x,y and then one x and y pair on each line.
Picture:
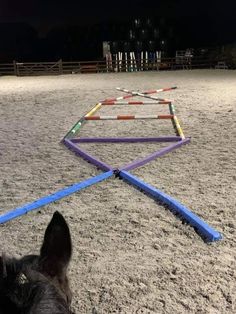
x,y
48,30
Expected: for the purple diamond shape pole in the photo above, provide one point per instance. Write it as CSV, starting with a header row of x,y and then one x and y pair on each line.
x,y
140,162
79,151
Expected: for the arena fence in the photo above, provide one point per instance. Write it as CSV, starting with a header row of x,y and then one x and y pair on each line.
x,y
74,67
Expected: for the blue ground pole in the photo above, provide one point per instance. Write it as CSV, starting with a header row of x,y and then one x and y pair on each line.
x,y
53,197
203,228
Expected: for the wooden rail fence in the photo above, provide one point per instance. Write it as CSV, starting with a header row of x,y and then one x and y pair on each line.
x,y
74,67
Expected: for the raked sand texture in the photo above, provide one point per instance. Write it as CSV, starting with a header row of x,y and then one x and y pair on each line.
x,y
131,254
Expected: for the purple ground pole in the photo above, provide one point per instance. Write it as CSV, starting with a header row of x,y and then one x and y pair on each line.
x,y
140,162
101,165
161,139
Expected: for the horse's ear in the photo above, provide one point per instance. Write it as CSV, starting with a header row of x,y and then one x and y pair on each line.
x,y
3,270
56,249
3,274
1,267
2,277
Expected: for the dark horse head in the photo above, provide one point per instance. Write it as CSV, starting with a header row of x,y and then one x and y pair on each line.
x,y
38,284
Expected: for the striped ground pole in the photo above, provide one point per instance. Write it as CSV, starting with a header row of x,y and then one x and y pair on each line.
x,y
118,98
153,91
160,90
76,127
147,94
172,111
175,121
178,127
91,112
79,123
164,102
153,97
132,94
129,117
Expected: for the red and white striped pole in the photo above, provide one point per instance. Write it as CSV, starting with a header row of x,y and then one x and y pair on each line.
x,y
147,93
152,91
129,117
143,94
135,102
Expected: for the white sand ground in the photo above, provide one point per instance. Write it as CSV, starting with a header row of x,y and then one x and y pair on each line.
x,y
131,255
